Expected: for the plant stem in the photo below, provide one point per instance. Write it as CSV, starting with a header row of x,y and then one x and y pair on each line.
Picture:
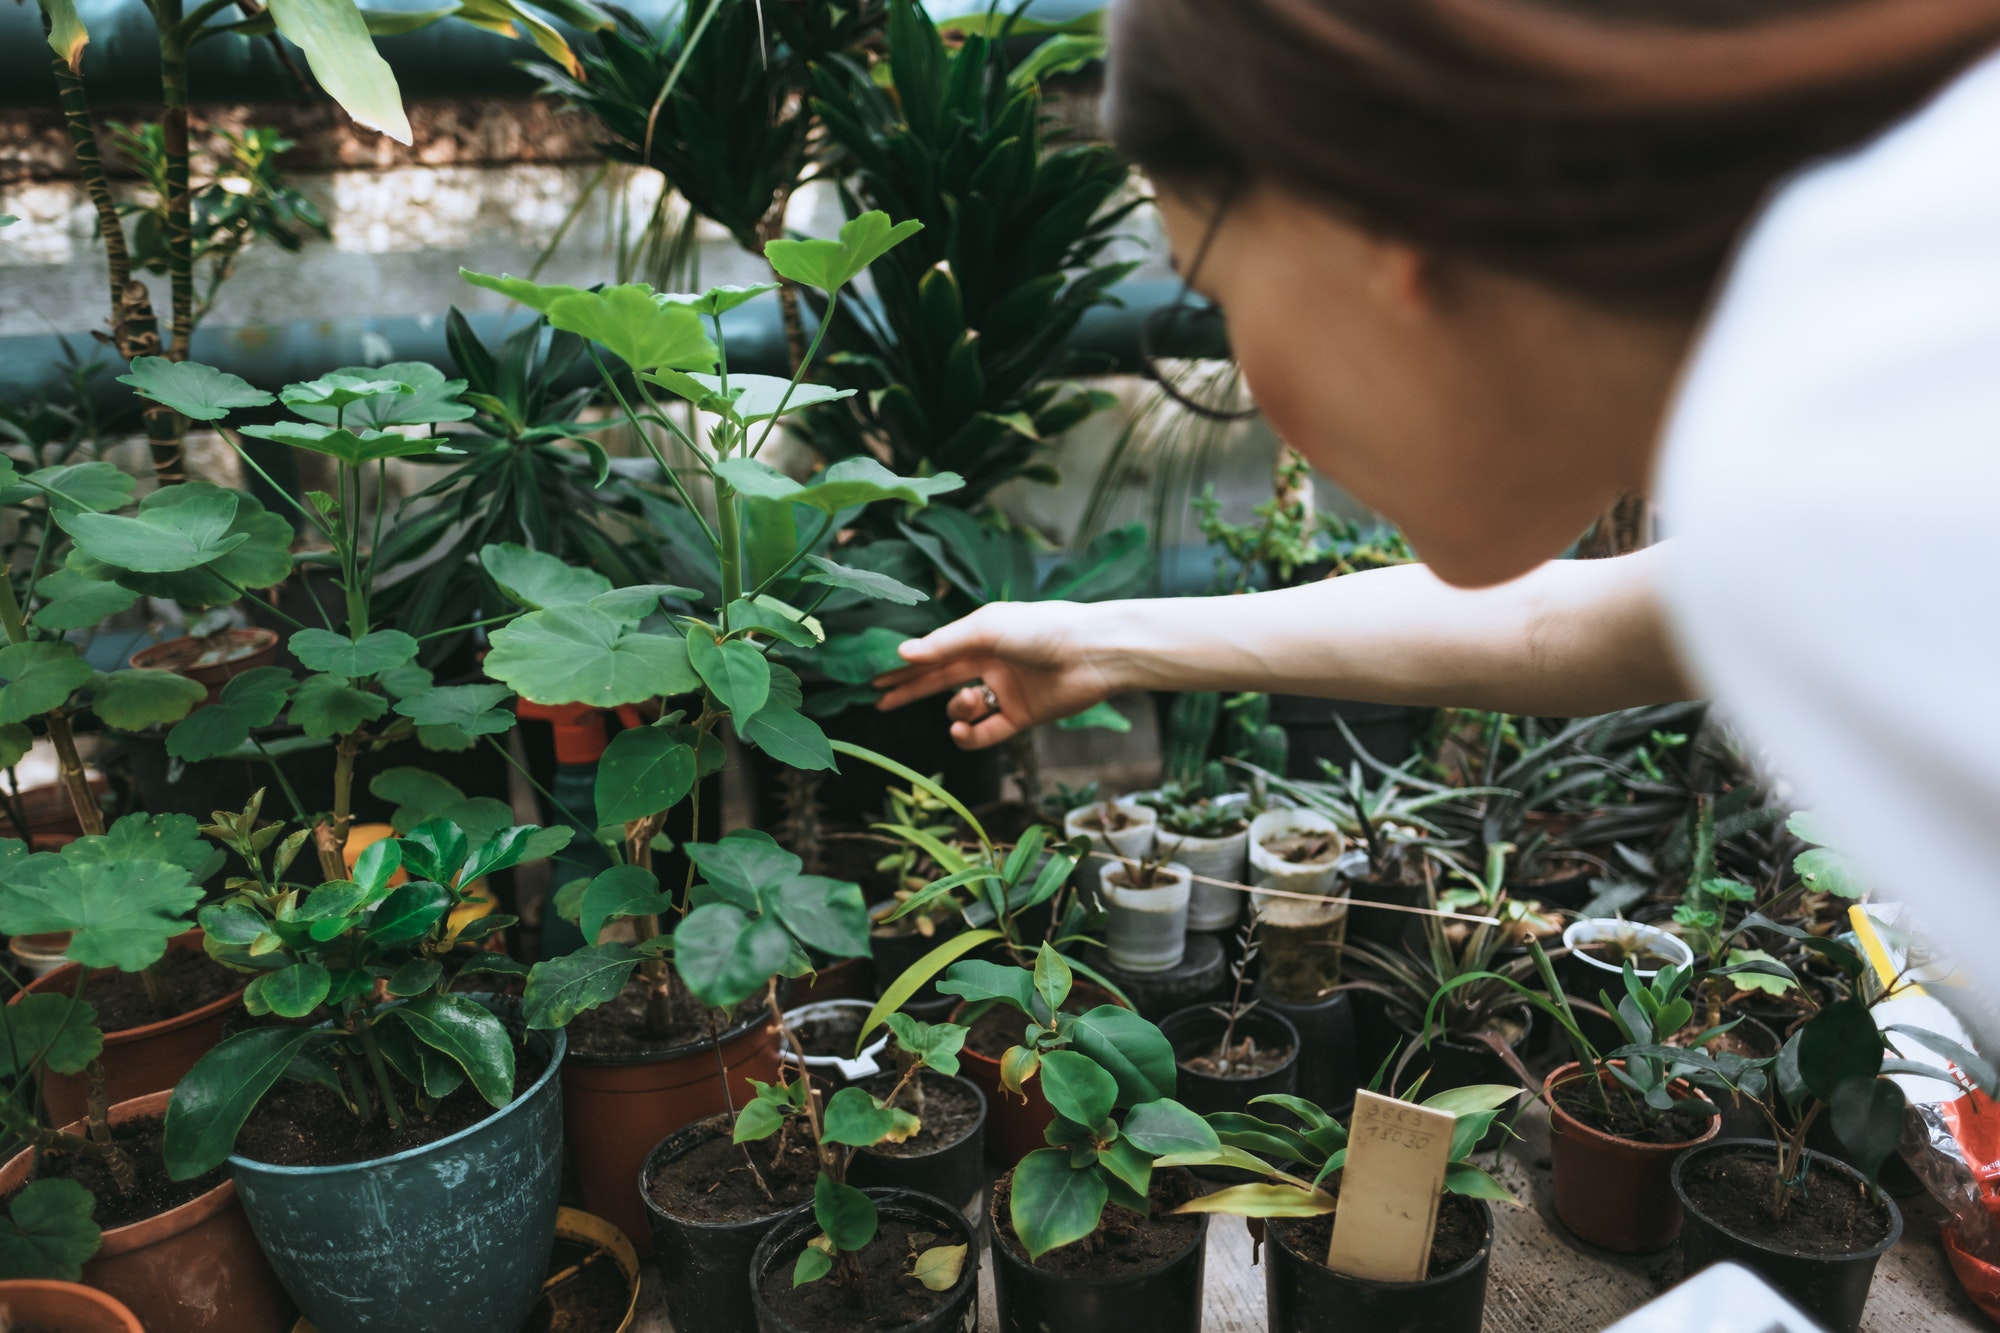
x,y
381,1072
69,763
729,1103
331,838
829,1161
168,463
364,1106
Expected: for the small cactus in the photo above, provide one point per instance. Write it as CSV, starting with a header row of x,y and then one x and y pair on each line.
x,y
1190,730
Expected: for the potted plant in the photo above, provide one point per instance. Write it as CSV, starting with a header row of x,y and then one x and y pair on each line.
x,y
1811,1224
1053,1217
1617,1126
1114,828
1230,1053
1206,827
745,927
946,1157
1145,912
382,1102
90,1198
1305,1294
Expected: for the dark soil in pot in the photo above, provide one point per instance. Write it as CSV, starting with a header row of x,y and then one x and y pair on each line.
x,y
946,1157
711,1182
306,1124
1125,1244
593,1299
1675,1127
1456,1062
618,1027
1305,1296
1461,1232
1261,1057
192,978
154,1191
829,1033
1822,1255
886,1296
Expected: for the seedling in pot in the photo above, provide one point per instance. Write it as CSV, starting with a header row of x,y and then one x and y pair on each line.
x,y
1230,1058
1106,1060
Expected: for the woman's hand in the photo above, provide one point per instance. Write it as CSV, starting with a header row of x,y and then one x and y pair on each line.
x,y
1041,661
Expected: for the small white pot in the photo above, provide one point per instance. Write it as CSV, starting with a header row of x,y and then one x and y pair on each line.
x,y
1626,934
1211,906
1270,871
1145,929
1135,842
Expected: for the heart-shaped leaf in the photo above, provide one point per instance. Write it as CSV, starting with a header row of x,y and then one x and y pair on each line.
x,y
856,1118
725,957
536,579
831,265
160,540
1053,1204
250,700
421,396
577,654
39,676
1077,1088
48,1031
132,700
636,328
745,865
117,915
643,771
200,392
72,600
844,1213
327,706
48,1232
734,671
827,914
381,650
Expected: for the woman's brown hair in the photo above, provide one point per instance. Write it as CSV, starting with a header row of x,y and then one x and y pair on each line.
x,y
1612,148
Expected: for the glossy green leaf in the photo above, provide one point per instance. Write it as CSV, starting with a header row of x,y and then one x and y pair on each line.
x,y
38,676
1076,1087
295,991
561,988
1867,1115
415,977
192,389
790,737
1472,1098
635,328
160,540
71,600
436,850
724,956
976,979
47,1030
619,892
867,582
1465,1179
576,654
644,771
214,1098
536,579
342,54
1052,1204
1052,982
844,1213
831,265
336,654
409,912
734,671
1128,1048
48,1232
1165,1126
853,1116
474,1039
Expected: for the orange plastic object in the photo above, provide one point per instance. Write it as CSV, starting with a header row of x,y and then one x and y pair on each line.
x,y
579,728
363,836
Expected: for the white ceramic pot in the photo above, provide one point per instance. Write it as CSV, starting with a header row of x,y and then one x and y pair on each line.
x,y
1626,935
1145,929
1135,841
1271,871
1212,906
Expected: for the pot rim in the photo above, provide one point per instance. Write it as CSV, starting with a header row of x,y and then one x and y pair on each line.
x,y
1330,1000
1483,1255
1575,1128
558,1044
181,1218
1195,1012
1813,1155
708,1129
1296,820
49,981
782,1232
103,1301
941,1149
243,636
998,1247
587,1228
1684,955
700,1046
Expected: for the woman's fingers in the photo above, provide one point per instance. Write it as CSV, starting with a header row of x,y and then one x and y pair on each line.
x,y
912,684
975,635
979,735
968,705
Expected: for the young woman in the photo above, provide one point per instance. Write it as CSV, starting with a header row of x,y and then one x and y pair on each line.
x,y
1490,265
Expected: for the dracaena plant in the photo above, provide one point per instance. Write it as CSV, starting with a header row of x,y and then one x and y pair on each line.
x,y
855,1118
207,546
1319,1149
576,639
379,958
1109,1075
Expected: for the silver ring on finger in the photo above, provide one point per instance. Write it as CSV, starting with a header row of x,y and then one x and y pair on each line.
x,y
990,699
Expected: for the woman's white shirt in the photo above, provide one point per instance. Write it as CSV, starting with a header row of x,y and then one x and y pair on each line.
x,y
1831,476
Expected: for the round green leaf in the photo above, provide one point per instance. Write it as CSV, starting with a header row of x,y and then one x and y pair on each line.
x,y
855,1117
537,579
336,654
735,671
725,957
474,1039
48,1232
644,771
828,914
72,600
162,539
844,1213
409,912
48,1030
192,389
38,677
422,396
636,328
262,559
133,699
1164,1126
619,892
295,991
329,706
339,389
1128,1048
118,915
576,654
97,487
1840,1043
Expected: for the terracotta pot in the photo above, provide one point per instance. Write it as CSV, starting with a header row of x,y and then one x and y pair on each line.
x,y
619,1107
213,659
51,815
1615,1193
142,1059
65,1306
192,1269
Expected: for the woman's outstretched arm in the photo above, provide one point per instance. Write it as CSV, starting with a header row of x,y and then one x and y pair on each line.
x,y
1571,638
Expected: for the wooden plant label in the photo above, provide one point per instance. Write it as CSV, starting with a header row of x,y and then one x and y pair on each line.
x,y
1396,1158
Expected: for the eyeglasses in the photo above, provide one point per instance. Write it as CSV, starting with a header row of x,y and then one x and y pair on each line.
x,y
1182,342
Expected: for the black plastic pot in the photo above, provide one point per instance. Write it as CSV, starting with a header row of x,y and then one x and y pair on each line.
x,y
1459,1064
1201,977
1327,1073
1195,1031
1388,732
1387,929
1831,1288
1303,1295
1028,1299
704,1266
953,1172
957,1308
